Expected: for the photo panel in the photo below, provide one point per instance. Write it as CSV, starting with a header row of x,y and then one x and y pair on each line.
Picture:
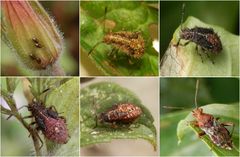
x,y
119,38
40,116
199,116
119,113
39,38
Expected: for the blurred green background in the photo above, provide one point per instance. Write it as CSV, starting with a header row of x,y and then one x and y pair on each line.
x,y
224,14
180,92
66,16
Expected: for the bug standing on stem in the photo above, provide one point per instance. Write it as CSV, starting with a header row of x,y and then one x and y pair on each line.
x,y
211,126
130,43
47,120
205,38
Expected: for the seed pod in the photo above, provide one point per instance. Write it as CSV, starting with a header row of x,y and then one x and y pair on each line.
x,y
31,33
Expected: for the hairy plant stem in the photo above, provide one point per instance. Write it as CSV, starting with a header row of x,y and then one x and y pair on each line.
x,y
14,112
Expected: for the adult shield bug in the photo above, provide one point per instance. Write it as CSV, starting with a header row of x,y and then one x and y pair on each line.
x,y
205,38
130,43
211,126
121,113
47,120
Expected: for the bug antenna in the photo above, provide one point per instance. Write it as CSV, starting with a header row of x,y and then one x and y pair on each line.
x,y
104,26
196,93
183,10
94,47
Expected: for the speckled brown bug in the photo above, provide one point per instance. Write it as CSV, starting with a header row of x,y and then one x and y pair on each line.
x,y
47,120
211,126
130,43
121,113
205,38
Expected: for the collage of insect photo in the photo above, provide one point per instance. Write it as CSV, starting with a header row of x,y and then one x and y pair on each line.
x,y
119,78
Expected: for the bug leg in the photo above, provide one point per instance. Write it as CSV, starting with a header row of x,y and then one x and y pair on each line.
x,y
185,44
195,123
94,47
229,124
32,123
199,53
200,134
30,116
18,110
208,56
178,42
53,108
113,53
40,140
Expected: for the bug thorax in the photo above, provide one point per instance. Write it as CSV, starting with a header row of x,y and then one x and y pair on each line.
x,y
203,119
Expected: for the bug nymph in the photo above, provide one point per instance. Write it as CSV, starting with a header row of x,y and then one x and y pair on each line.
x,y
121,113
130,43
205,38
47,120
36,43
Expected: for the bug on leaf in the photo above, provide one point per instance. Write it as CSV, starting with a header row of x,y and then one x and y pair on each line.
x,y
118,114
121,113
130,43
211,126
47,120
205,38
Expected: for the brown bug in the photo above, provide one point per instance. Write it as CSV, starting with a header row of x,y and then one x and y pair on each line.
x,y
47,120
121,113
36,43
130,43
210,126
205,38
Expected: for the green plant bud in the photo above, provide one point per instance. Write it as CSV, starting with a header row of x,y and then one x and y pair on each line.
x,y
31,33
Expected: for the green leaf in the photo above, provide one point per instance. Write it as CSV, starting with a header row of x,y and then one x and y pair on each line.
x,y
226,113
64,96
184,60
98,98
120,15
